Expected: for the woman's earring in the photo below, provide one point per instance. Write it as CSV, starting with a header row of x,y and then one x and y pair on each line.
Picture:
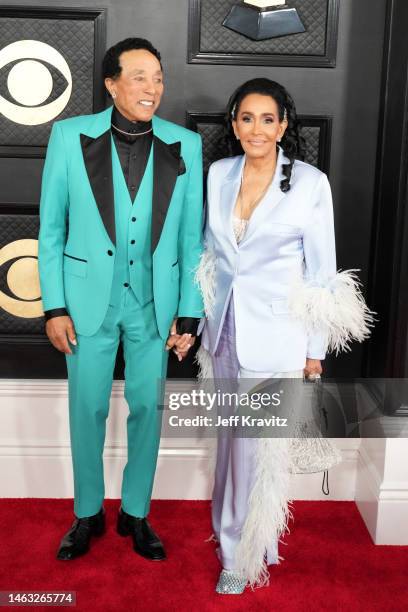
x,y
113,94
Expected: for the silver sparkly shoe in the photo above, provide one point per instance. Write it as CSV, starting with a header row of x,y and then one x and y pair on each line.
x,y
230,583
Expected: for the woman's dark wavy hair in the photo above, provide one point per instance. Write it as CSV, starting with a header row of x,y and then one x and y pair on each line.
x,y
292,143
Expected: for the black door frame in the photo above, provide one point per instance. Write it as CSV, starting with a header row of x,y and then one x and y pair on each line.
x,y
386,353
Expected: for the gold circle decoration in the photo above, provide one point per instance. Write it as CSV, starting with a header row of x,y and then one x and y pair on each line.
x,y
22,279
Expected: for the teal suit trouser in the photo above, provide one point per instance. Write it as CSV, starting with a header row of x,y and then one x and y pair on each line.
x,y
90,375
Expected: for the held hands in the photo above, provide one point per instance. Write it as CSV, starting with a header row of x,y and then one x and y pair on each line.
x,y
179,343
313,368
60,330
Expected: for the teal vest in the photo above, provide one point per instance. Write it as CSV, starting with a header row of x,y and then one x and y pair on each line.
x,y
133,258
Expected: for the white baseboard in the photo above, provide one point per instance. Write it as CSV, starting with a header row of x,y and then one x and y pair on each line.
x,y
35,457
383,503
182,473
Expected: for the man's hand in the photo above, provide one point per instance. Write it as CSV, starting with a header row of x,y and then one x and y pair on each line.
x,y
313,368
180,344
59,330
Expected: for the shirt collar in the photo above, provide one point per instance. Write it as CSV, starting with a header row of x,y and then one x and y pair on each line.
x,y
131,127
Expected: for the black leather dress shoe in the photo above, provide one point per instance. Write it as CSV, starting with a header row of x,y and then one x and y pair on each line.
x,y
145,541
76,541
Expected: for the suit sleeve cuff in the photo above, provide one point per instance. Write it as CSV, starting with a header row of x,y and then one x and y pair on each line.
x,y
319,356
55,312
187,325
317,345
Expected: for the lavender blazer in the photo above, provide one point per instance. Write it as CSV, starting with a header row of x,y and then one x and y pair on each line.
x,y
288,249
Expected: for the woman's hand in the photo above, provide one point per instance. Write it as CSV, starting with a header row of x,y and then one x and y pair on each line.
x,y
183,346
313,367
180,344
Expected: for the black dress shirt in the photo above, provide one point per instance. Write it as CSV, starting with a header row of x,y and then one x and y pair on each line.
x,y
133,141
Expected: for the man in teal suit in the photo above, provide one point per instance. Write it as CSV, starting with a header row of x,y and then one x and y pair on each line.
x,y
120,238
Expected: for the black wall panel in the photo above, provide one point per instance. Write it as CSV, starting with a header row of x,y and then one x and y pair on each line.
x,y
210,42
348,94
315,130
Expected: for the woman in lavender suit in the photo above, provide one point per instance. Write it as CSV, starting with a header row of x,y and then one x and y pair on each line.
x,y
274,304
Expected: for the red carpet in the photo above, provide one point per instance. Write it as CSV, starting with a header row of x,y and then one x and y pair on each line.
x,y
330,562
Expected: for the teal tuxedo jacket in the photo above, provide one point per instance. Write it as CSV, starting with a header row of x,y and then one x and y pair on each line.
x,y
77,240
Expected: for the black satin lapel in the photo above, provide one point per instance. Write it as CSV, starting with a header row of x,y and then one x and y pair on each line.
x,y
166,160
97,154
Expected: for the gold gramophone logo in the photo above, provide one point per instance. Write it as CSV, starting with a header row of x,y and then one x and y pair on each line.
x,y
22,279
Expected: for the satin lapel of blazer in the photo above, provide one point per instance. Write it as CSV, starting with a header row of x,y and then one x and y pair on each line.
x,y
97,154
270,200
166,160
228,198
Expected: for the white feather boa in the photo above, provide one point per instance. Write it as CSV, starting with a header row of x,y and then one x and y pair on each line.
x,y
205,279
205,378
268,504
336,308
268,510
205,368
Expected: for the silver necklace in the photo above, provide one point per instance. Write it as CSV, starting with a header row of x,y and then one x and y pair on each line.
x,y
130,133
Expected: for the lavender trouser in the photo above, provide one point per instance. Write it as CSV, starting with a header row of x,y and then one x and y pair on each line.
x,y
235,467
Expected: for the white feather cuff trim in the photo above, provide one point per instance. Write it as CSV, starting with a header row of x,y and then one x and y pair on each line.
x,y
337,309
205,279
